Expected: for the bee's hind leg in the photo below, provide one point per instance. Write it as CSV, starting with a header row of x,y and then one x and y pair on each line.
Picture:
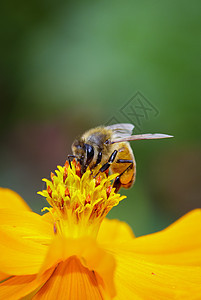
x,y
117,182
123,161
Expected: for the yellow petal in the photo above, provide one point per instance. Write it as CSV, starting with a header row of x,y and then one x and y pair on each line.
x,y
26,225
179,244
10,199
114,230
136,278
20,256
90,254
164,265
17,287
23,239
71,280
48,217
181,235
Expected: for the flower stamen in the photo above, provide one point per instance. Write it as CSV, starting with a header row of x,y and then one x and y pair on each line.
x,y
49,191
79,202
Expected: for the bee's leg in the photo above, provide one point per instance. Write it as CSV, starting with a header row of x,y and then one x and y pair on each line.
x,y
99,157
98,160
117,182
69,159
107,164
124,161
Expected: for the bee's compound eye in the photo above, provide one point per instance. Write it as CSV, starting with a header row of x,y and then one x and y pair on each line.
x,y
90,153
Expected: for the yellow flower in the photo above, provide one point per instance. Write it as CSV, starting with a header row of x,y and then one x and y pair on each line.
x,y
73,252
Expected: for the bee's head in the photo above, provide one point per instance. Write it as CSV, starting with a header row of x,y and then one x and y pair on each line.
x,y
78,148
83,152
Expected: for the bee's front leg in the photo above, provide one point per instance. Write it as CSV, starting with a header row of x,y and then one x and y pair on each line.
x,y
98,160
70,156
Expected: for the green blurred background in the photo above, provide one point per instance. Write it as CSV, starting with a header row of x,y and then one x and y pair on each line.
x,y
67,67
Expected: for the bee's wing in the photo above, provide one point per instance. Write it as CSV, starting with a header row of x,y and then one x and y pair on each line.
x,y
121,130
147,136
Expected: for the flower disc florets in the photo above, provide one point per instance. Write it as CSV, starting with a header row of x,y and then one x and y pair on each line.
x,y
79,202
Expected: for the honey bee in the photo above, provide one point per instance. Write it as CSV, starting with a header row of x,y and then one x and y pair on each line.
x,y
109,146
